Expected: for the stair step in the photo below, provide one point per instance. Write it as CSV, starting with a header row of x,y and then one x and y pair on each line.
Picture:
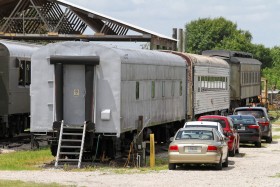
x,y
72,127
71,140
69,153
70,146
69,160
72,133
63,145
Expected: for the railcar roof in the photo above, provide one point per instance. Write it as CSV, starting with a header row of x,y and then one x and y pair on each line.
x,y
136,56
233,56
200,60
17,48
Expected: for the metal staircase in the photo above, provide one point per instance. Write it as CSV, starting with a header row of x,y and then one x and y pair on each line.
x,y
71,144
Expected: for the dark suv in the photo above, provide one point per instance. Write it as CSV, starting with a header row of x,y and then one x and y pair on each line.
x,y
229,131
260,113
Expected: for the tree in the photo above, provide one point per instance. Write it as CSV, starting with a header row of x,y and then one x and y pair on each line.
x,y
263,54
219,33
272,73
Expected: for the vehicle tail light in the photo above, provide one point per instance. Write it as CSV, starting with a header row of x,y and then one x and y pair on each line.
x,y
264,123
212,148
253,126
173,148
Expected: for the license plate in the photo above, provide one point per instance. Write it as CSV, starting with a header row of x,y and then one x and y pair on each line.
x,y
242,128
193,149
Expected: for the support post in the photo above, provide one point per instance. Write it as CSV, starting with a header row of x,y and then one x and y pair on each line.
x,y
152,150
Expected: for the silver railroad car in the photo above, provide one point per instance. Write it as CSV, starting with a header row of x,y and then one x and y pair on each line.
x,y
15,71
107,87
245,81
208,85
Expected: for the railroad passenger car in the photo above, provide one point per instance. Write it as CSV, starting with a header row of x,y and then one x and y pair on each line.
x,y
15,79
245,78
208,85
108,88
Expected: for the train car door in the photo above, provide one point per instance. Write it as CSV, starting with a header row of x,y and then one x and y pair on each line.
x,y
74,94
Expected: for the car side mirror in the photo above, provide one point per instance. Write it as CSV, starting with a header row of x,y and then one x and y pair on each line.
x,y
271,118
171,139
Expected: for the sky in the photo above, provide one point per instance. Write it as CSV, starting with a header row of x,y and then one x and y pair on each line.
x,y
259,17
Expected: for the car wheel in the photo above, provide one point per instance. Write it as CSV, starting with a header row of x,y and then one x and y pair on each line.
x,y
232,152
237,149
171,166
269,139
258,144
225,164
219,166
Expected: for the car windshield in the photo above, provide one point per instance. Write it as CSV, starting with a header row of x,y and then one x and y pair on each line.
x,y
208,126
195,134
255,113
243,120
221,121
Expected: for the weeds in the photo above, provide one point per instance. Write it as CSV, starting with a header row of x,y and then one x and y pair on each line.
x,y
25,160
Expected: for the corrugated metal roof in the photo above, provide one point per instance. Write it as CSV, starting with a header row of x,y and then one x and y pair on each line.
x,y
95,15
62,17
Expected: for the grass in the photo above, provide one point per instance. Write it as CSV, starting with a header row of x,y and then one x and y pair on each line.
x,y
25,160
276,115
274,137
17,183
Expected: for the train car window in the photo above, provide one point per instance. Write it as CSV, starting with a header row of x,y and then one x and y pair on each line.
x,y
199,84
226,83
153,89
22,71
163,89
28,73
181,88
137,90
172,89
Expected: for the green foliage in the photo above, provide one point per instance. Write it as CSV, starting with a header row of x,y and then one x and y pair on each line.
x,y
272,72
219,33
263,54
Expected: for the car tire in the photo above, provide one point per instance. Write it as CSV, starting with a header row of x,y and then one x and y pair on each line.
x,y
258,144
268,139
237,150
219,166
225,164
232,153
171,166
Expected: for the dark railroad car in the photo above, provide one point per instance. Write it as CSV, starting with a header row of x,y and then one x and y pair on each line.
x,y
15,79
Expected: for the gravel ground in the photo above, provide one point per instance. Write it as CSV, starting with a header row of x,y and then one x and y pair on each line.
x,y
252,167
